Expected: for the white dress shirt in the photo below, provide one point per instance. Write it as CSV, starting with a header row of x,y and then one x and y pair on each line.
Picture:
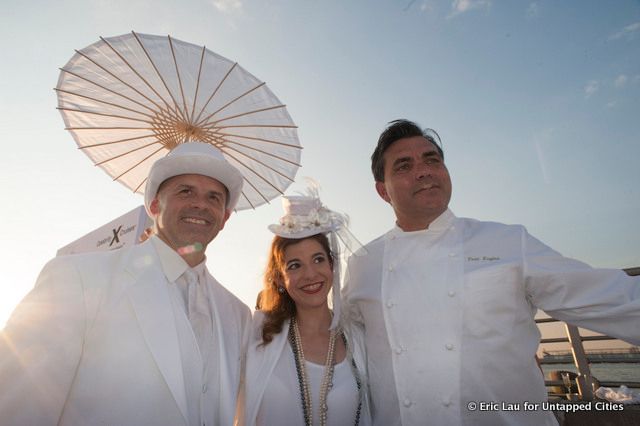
x,y
190,298
448,315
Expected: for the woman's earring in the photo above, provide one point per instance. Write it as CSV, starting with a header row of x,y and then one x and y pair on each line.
x,y
280,289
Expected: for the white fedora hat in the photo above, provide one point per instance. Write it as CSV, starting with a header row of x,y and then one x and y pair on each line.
x,y
194,158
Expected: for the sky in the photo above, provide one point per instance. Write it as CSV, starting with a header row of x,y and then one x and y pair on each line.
x,y
536,103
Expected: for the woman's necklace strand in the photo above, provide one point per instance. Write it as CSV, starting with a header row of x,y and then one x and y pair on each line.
x,y
305,395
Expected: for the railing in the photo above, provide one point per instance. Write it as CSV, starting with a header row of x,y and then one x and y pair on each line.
x,y
595,356
584,381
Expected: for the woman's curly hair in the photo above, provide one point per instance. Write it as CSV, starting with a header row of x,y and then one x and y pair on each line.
x,y
278,307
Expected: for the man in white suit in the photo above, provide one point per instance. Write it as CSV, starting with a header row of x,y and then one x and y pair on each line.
x,y
138,336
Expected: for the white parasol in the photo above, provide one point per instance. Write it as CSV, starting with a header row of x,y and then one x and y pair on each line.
x,y
129,100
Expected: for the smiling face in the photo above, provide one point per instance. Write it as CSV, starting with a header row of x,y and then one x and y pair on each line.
x,y
416,182
189,209
308,274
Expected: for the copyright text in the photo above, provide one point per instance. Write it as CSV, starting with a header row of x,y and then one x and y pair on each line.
x,y
544,406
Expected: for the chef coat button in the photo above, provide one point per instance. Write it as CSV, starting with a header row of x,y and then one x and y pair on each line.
x,y
406,402
204,388
452,255
449,346
391,268
398,350
446,402
451,293
389,304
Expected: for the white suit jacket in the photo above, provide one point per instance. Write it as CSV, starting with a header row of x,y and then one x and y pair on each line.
x,y
262,360
95,343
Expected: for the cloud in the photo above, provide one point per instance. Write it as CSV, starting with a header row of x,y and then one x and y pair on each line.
x,y
620,81
461,6
591,88
540,141
532,11
228,6
629,32
426,7
611,104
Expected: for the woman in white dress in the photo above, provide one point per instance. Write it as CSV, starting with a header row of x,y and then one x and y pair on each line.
x,y
305,364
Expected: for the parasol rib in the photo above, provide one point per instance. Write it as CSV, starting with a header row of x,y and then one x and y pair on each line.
x,y
195,96
170,137
103,102
197,120
224,145
278,126
141,183
114,92
175,63
125,153
109,128
260,162
144,80
144,49
255,173
256,190
103,114
262,152
255,111
116,141
248,200
138,163
260,140
120,80
204,120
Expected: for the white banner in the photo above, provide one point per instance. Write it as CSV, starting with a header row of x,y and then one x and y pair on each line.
x,y
123,231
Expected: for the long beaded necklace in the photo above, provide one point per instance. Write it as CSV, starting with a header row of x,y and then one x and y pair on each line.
x,y
298,353
356,375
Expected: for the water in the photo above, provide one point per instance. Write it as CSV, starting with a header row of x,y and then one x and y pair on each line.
x,y
624,372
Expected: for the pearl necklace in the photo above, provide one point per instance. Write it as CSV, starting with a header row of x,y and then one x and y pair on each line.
x,y
296,343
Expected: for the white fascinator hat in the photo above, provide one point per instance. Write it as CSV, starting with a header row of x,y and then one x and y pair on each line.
x,y
304,216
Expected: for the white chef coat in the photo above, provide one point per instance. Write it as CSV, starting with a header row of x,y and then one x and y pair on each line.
x,y
449,318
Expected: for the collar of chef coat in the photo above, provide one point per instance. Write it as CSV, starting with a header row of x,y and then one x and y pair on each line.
x,y
440,224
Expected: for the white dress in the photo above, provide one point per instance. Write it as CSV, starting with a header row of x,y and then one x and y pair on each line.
x,y
270,392
282,404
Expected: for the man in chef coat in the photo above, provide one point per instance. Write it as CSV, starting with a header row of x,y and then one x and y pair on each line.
x,y
448,303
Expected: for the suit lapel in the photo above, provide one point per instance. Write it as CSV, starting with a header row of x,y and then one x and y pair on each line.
x,y
261,361
151,301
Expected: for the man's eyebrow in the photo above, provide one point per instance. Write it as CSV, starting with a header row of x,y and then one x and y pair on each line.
x,y
184,186
401,160
433,153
